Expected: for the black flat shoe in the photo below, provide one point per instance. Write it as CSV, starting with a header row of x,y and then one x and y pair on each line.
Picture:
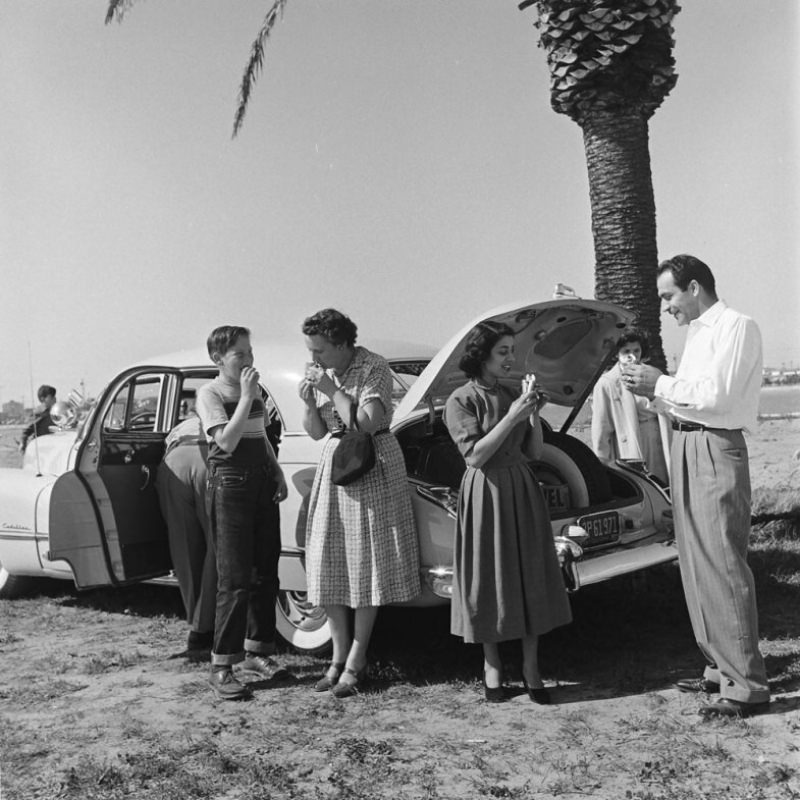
x,y
540,696
328,681
350,687
494,694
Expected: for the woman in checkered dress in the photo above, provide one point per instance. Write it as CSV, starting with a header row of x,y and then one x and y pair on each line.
x,y
361,541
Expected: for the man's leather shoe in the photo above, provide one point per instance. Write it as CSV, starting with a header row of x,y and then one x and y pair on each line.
x,y
226,686
697,685
725,707
266,667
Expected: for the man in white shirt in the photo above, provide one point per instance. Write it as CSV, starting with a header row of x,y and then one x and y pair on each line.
x,y
711,400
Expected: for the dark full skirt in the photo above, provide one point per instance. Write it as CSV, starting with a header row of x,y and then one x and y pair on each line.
x,y
507,582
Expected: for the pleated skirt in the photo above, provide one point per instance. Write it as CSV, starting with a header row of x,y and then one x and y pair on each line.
x,y
507,582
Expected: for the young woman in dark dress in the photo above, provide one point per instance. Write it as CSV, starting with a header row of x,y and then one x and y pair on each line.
x,y
507,582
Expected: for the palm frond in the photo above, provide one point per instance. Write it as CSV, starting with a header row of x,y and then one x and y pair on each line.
x,y
117,9
255,63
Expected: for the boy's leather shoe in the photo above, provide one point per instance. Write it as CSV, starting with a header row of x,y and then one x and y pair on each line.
x,y
226,686
266,667
697,685
725,707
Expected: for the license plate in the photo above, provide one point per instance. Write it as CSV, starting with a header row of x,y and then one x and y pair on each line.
x,y
603,527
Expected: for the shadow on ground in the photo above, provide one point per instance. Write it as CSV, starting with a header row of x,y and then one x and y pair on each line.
x,y
628,636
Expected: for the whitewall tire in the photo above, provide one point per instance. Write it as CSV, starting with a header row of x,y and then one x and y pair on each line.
x,y
302,626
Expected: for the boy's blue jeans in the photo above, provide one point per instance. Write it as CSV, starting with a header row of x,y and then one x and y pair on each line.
x,y
245,527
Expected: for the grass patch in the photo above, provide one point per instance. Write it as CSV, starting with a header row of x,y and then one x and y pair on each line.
x,y
41,690
106,660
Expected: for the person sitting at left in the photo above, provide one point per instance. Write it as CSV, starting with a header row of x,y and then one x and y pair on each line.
x,y
42,422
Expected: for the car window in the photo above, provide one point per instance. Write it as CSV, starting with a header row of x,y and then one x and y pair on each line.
x,y
189,386
115,416
135,405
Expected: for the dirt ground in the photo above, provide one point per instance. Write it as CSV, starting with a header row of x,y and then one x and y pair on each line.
x,y
92,682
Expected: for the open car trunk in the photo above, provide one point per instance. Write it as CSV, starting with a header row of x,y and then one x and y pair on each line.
x,y
570,474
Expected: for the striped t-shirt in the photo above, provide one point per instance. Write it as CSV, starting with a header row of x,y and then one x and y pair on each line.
x,y
216,402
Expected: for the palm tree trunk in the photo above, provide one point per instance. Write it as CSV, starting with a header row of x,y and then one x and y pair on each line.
x,y
624,217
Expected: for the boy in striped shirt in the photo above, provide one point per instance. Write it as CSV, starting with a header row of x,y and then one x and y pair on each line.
x,y
245,485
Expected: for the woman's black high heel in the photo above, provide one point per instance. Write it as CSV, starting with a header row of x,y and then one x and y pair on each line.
x,y
540,696
326,681
493,694
349,688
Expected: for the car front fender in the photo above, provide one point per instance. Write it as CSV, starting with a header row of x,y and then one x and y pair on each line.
x,y
24,515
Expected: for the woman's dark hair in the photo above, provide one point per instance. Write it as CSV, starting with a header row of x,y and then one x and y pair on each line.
x,y
634,336
336,327
480,341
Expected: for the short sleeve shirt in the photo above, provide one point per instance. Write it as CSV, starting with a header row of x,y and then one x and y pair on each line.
x,y
473,410
368,377
216,403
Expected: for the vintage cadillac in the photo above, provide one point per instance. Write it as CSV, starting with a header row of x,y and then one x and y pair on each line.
x,y
84,505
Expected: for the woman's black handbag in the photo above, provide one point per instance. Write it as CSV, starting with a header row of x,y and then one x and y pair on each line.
x,y
354,456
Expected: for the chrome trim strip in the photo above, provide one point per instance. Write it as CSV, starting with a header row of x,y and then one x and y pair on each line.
x,y
14,536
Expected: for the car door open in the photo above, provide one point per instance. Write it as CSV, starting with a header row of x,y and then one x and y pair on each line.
x,y
105,519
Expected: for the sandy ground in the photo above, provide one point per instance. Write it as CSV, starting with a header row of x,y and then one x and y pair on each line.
x,y
89,681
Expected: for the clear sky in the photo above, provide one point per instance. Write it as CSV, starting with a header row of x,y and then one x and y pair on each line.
x,y
399,161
